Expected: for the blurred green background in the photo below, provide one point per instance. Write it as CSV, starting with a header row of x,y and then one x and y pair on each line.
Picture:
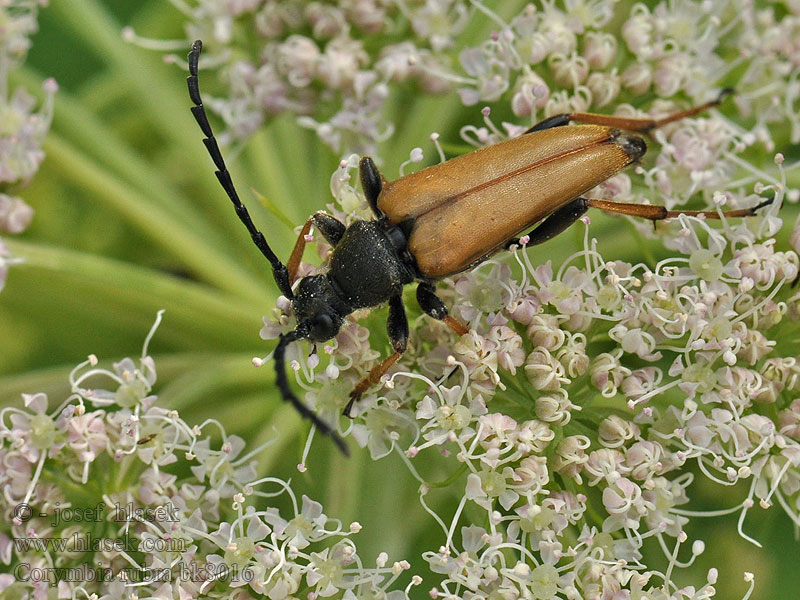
x,y
130,219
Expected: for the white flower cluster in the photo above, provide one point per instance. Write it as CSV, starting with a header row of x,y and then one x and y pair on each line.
x,y
172,514
620,376
22,129
587,395
331,62
632,372
576,410
335,63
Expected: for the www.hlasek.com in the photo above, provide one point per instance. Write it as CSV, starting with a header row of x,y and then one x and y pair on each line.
x,y
180,572
85,542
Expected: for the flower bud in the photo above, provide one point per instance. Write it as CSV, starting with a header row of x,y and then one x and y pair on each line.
x,y
599,49
637,78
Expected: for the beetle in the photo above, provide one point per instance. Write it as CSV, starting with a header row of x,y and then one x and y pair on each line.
x,y
422,223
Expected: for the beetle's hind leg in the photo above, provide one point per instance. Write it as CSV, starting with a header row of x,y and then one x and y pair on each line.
x,y
433,306
656,212
397,328
567,215
628,124
330,227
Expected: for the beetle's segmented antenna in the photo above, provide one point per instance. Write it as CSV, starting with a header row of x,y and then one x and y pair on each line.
x,y
278,268
286,391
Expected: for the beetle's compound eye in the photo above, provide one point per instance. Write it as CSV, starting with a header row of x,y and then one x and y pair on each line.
x,y
322,327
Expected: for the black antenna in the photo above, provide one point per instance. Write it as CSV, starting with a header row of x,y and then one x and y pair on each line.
x,y
286,391
279,270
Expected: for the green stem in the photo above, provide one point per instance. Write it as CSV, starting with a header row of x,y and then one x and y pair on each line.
x,y
345,489
209,376
644,246
171,234
90,21
284,427
201,312
139,72
449,480
85,130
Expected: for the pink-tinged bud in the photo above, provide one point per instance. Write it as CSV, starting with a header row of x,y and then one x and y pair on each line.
x,y
637,78
614,431
568,71
599,49
530,93
604,87
570,456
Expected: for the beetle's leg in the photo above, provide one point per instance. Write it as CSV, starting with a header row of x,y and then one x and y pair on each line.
x,y
629,124
432,305
297,253
330,227
550,122
397,327
279,270
655,212
555,223
372,182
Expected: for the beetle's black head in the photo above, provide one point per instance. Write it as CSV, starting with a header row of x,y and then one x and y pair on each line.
x,y
319,309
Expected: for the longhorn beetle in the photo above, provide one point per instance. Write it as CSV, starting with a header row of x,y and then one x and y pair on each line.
x,y
422,225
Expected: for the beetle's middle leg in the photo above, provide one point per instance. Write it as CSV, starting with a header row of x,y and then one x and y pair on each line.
x,y
397,328
433,306
628,123
555,223
330,227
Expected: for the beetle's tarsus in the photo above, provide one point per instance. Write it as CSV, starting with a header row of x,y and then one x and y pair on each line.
x,y
724,93
375,374
456,325
766,202
355,396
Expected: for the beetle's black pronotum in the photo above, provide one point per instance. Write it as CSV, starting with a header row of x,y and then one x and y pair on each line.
x,y
422,225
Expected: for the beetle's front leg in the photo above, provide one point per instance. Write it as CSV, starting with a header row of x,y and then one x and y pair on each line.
x,y
397,328
555,223
330,227
433,306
